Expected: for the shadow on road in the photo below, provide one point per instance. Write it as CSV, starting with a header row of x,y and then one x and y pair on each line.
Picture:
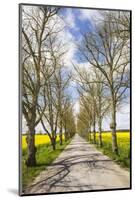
x,y
63,169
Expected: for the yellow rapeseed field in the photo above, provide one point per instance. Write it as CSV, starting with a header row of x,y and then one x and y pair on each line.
x,y
122,137
123,140
39,139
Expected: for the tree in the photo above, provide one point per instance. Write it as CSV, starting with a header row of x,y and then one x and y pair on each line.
x,y
53,89
50,117
68,120
108,53
84,118
102,105
89,100
50,96
62,80
91,93
35,32
120,21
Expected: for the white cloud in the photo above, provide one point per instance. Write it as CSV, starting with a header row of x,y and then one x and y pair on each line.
x,y
90,15
24,125
125,109
38,128
67,38
122,118
69,19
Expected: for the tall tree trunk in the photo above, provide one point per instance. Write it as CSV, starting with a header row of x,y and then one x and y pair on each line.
x,y
113,129
53,141
61,140
94,136
90,136
31,160
94,131
100,132
66,134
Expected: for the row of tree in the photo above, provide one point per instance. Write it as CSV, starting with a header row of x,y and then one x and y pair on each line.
x,y
45,80
105,83
102,85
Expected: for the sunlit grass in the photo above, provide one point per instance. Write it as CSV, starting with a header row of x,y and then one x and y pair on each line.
x,y
123,140
45,156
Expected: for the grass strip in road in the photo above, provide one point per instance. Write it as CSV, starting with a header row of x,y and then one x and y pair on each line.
x,y
45,156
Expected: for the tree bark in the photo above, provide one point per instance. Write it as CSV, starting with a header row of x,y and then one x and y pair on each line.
x,y
94,131
31,160
94,136
113,129
53,140
100,133
89,136
61,140
66,134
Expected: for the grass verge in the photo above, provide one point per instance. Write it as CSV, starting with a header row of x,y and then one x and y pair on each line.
x,y
45,156
123,157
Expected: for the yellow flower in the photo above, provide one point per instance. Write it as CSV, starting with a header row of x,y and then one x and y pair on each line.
x,y
39,139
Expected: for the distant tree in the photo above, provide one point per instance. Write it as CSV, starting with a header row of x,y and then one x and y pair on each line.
x,y
62,80
91,82
84,118
69,120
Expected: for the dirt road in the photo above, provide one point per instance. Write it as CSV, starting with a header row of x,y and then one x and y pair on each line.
x,y
80,167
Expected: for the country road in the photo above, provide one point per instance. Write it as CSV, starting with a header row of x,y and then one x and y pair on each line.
x,y
80,167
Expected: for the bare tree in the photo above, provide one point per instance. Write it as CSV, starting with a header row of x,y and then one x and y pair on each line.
x,y
62,81
50,117
108,53
120,21
53,91
85,117
65,118
35,32
102,104
68,119
88,94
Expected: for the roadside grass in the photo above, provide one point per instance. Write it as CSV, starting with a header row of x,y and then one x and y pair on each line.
x,y
45,156
123,140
